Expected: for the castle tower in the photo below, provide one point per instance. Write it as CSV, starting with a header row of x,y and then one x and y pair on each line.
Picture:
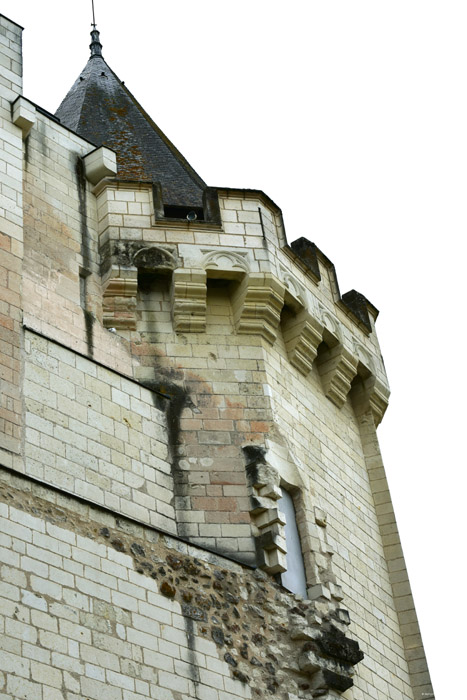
x,y
193,501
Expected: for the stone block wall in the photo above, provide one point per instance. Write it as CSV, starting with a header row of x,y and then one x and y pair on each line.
x,y
11,242
62,265
83,612
93,605
96,434
176,375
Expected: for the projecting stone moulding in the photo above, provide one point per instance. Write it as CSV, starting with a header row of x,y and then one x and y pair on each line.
x,y
302,335
338,368
189,300
327,655
264,490
121,262
119,303
261,303
371,395
100,163
24,115
257,305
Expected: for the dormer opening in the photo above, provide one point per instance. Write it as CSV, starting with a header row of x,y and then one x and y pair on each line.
x,y
188,213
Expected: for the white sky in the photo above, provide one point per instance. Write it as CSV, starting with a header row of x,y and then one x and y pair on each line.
x,y
352,116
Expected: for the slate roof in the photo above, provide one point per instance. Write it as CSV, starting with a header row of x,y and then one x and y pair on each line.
x,y
101,109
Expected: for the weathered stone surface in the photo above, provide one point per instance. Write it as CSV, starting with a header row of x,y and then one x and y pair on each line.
x,y
168,590
194,613
334,643
171,386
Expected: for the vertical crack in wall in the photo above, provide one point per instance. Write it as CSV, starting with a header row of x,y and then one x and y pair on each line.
x,y
85,252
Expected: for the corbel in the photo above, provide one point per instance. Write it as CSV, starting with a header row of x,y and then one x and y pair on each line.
x,y
189,292
119,302
337,367
371,395
257,305
302,335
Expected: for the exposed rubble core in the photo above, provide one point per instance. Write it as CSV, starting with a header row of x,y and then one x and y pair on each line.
x,y
174,377
268,638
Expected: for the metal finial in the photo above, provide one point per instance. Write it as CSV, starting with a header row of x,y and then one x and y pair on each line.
x,y
95,45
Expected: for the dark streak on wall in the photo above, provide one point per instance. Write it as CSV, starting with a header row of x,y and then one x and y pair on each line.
x,y
85,250
173,410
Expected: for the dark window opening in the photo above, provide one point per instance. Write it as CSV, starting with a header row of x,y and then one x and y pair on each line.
x,y
189,213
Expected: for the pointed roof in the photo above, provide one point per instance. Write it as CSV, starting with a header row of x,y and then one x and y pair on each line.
x,y
101,109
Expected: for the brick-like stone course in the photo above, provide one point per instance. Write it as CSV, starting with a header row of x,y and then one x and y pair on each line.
x,y
227,321
97,606
96,434
11,243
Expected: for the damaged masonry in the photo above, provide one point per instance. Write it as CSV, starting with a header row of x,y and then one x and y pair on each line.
x,y
193,503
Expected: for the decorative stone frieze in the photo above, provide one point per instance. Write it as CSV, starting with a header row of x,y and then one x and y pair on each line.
x,y
119,303
225,263
331,324
337,367
257,305
302,335
116,254
153,258
364,357
295,291
189,300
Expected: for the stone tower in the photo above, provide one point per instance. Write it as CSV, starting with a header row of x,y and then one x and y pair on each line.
x,y
192,498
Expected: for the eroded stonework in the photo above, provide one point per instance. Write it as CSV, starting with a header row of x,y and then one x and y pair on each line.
x,y
171,368
262,636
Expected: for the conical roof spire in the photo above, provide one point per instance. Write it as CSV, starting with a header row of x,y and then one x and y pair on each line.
x,y
100,108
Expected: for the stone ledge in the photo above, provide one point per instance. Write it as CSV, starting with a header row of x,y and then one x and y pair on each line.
x,y
23,115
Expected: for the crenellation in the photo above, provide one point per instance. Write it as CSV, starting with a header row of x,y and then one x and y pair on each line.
x,y
166,375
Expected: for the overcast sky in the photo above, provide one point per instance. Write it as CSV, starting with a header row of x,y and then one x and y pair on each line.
x,y
352,116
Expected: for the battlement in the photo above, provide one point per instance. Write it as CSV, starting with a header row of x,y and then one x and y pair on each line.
x,y
273,287
191,488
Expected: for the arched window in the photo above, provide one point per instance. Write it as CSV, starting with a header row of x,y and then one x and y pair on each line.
x,y
294,579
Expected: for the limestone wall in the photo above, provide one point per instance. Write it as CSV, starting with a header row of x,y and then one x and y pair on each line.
x,y
96,434
82,613
11,241
61,280
271,380
96,606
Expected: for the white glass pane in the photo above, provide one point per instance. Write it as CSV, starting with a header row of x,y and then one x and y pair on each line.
x,y
294,578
